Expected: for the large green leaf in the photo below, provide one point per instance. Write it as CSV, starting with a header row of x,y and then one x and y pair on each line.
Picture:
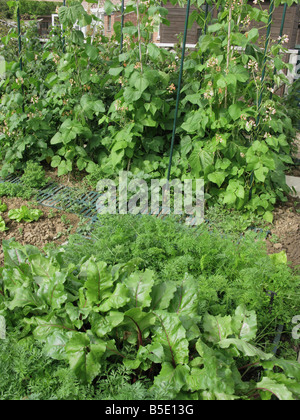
x,y
162,294
51,324
140,285
98,282
217,328
141,83
217,177
102,325
16,254
50,279
245,348
291,368
171,334
26,299
91,106
73,14
137,323
194,122
55,343
215,375
85,355
117,299
244,323
200,159
92,52
269,387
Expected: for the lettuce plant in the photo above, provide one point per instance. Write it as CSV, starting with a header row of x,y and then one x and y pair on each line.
x,y
25,214
3,227
3,207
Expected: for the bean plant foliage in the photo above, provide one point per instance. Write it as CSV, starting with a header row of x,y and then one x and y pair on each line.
x,y
93,313
83,104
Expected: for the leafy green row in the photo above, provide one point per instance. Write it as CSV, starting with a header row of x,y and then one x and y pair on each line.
x,y
231,268
118,313
89,108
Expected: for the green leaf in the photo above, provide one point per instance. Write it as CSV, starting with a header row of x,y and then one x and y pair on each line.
x,y
3,207
245,348
260,173
279,257
109,7
252,35
217,328
25,214
170,379
235,111
217,178
154,51
55,161
92,52
3,227
241,74
200,159
139,285
98,282
102,325
194,122
186,299
270,387
25,298
115,71
141,83
268,216
55,343
90,107
138,322
50,279
291,368
171,334
16,254
85,356
244,323
116,300
215,375
162,294
51,324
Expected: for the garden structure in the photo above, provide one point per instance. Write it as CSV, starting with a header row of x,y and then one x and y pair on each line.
x,y
133,306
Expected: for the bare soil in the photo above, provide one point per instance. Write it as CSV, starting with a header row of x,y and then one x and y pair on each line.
x,y
53,227
285,231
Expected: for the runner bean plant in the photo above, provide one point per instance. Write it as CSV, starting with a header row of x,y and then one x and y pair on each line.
x,y
82,105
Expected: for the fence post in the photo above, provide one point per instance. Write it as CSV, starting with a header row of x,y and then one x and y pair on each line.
x,y
64,39
19,35
122,25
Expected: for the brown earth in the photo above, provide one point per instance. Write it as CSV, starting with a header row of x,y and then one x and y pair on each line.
x,y
285,231
53,227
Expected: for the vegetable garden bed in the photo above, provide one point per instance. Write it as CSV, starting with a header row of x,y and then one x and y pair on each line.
x,y
143,307
53,227
285,231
